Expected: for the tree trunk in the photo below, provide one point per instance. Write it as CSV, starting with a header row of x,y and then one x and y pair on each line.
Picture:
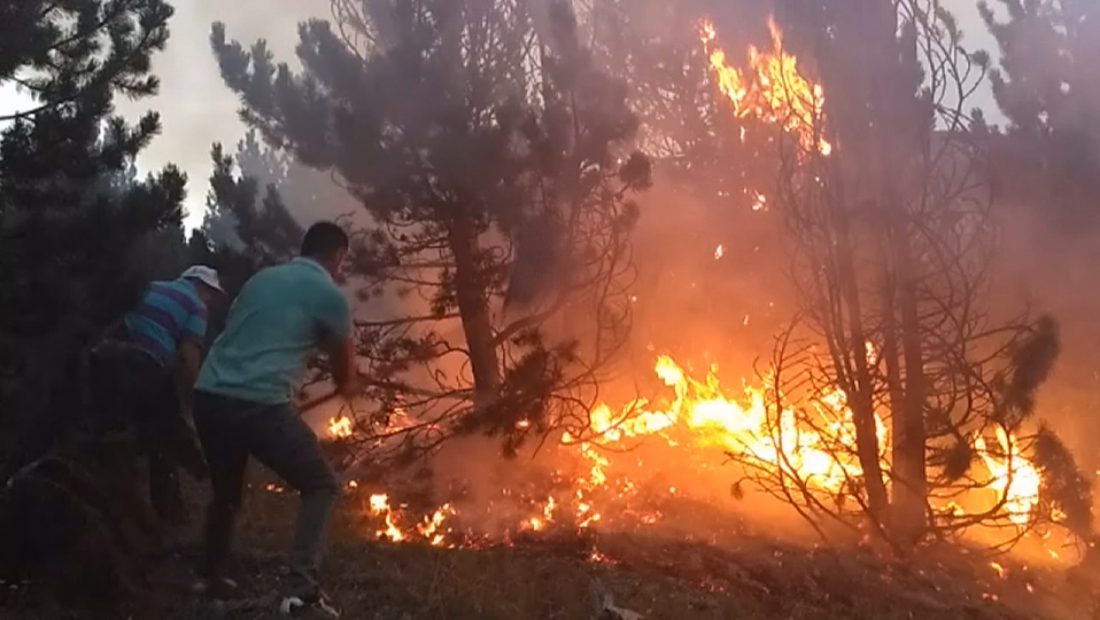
x,y
910,472
473,307
860,384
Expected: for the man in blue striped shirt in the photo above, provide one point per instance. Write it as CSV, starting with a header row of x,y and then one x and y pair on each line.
x,y
147,360
171,319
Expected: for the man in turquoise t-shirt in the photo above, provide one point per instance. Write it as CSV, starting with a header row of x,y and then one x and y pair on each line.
x,y
244,402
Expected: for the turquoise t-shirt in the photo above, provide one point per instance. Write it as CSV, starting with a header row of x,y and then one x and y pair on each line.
x,y
279,319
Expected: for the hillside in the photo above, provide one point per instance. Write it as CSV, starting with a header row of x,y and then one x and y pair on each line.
x,y
563,576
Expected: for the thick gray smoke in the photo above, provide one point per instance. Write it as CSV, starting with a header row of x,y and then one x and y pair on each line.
x,y
196,107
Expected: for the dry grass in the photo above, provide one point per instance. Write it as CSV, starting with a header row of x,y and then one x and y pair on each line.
x,y
554,577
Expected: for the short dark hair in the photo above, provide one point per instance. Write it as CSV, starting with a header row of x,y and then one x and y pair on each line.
x,y
324,240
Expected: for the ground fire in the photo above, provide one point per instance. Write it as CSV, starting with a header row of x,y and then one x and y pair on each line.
x,y
700,416
340,427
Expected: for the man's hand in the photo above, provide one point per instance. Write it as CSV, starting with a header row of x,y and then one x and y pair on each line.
x,y
345,370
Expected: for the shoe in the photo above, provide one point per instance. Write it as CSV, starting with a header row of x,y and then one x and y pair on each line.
x,y
317,605
219,588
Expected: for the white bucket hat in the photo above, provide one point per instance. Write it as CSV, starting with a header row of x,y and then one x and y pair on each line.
x,y
204,274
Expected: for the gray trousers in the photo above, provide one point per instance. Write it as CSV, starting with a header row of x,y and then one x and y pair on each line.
x,y
231,430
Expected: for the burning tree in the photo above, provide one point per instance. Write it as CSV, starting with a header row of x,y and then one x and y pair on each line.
x,y
490,156
911,393
717,243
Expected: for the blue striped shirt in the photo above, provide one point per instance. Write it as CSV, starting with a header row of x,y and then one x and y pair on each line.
x,y
170,314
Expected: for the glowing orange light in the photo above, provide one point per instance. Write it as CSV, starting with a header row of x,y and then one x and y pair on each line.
x,y
771,90
340,428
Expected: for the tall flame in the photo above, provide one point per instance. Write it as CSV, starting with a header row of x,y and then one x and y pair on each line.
x,y
771,90
1015,478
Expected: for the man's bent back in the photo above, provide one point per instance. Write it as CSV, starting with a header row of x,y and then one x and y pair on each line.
x,y
280,318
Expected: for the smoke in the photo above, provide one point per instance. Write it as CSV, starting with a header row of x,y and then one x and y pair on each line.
x,y
1055,272
701,304
196,107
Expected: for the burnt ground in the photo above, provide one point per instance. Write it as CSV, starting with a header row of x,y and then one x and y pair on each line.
x,y
557,577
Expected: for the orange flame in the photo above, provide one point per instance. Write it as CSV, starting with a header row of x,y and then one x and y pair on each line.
x,y
760,202
380,506
825,458
545,518
772,90
1000,569
816,446
1015,478
340,428
822,454
430,529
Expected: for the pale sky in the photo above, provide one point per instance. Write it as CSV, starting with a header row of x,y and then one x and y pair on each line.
x,y
197,109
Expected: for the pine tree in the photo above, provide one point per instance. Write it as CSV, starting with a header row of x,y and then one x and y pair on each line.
x,y
59,163
1048,86
71,214
876,116
294,196
493,161
238,220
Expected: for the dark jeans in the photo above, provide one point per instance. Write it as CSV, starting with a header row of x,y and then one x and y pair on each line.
x,y
134,391
230,431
